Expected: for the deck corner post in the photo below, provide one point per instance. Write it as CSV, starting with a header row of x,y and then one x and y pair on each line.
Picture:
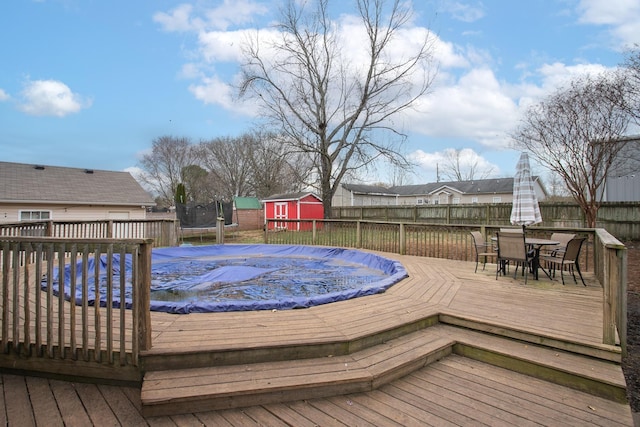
x,y
144,302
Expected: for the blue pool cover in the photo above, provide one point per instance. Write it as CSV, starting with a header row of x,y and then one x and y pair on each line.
x,y
198,279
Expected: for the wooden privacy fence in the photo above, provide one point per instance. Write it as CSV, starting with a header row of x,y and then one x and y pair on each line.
x,y
602,254
163,232
621,219
44,329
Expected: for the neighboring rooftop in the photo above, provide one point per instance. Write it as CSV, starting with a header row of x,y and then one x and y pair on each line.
x,y
29,183
477,186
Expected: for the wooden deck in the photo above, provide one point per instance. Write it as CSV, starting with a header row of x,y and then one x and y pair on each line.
x,y
501,335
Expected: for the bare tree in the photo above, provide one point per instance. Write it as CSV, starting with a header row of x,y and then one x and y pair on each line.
x,y
556,186
331,106
274,170
228,163
195,180
463,165
399,175
163,167
252,164
573,133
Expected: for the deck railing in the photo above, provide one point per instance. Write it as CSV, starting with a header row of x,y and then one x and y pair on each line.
x,y
163,232
602,254
420,239
44,329
611,271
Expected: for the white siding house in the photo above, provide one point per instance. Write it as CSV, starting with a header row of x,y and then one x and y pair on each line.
x,y
622,183
485,191
39,192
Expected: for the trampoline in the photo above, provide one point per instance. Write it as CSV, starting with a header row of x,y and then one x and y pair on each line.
x,y
217,278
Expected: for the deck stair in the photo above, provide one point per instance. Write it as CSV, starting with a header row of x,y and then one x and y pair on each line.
x,y
193,389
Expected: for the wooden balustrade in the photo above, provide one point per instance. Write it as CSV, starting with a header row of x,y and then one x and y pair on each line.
x,y
602,254
51,318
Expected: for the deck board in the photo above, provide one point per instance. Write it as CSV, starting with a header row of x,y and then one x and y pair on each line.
x,y
454,390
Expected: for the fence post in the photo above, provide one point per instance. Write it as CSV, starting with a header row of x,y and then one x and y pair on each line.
x,y
313,231
358,235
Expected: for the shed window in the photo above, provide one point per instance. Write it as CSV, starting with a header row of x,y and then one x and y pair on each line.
x,y
34,215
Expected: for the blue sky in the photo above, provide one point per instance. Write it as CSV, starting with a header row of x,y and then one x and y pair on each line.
x,y
90,84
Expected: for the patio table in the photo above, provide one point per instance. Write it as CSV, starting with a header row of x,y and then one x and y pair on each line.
x,y
536,244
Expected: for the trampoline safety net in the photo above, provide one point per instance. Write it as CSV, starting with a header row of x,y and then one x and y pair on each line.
x,y
199,215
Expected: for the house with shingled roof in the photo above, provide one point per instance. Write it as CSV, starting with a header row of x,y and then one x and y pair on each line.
x,y
484,191
38,192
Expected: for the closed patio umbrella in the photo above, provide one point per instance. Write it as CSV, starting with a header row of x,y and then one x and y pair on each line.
x,y
525,210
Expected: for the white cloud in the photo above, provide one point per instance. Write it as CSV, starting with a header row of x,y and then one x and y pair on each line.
x,y
4,95
212,90
622,16
474,107
179,19
222,46
468,159
184,18
462,11
50,98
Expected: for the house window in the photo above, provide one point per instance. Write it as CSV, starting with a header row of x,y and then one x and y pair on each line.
x,y
34,215
420,201
436,201
497,199
474,200
455,200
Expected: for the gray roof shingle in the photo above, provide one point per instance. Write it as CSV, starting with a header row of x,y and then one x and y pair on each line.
x,y
477,186
20,183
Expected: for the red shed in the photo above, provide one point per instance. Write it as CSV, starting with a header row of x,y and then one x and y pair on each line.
x,y
293,206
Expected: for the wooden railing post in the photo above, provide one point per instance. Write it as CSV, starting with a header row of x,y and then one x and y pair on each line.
x,y
143,303
612,273
313,232
403,239
220,231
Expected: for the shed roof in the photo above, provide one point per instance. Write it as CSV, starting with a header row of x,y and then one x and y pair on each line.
x,y
28,183
291,196
247,203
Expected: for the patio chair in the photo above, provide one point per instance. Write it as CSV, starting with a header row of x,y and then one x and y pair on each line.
x,y
484,250
512,248
567,260
563,238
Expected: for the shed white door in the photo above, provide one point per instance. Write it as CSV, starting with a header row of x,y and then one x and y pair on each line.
x,y
281,211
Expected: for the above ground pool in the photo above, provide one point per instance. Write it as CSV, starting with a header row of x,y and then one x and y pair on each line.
x,y
199,279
